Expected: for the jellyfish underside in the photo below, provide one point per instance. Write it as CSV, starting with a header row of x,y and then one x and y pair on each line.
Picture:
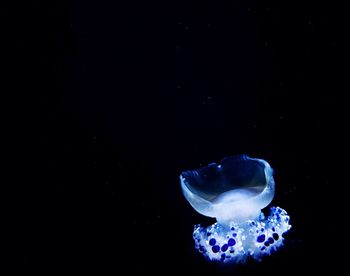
x,y
234,192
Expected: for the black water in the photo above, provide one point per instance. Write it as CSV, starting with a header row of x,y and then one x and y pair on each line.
x,y
136,93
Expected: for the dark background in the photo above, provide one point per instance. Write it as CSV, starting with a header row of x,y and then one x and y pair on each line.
x,y
133,94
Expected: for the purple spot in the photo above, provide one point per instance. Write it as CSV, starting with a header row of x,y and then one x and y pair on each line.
x,y
231,242
260,238
224,247
215,248
212,241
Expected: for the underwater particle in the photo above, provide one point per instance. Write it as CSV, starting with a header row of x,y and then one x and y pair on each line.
x,y
234,192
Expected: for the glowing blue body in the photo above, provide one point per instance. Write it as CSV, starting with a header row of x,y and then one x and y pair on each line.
x,y
234,192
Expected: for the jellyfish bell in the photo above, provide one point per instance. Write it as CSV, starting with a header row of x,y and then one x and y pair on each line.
x,y
234,191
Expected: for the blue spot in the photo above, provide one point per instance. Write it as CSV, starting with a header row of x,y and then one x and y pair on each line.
x,y
234,234
266,243
232,228
223,257
260,238
273,229
212,241
271,240
202,249
275,236
262,229
215,248
224,247
231,242
208,234
232,251
262,248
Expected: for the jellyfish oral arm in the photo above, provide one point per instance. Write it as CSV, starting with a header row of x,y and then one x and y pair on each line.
x,y
253,238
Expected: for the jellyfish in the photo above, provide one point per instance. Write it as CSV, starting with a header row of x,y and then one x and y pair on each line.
x,y
234,193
